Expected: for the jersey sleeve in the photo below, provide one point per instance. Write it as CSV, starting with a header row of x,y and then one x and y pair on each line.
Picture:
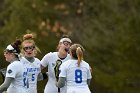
x,y
89,76
63,70
12,70
38,64
45,60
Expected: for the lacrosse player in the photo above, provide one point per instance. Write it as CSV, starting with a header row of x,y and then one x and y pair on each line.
x,y
75,72
30,62
14,75
53,60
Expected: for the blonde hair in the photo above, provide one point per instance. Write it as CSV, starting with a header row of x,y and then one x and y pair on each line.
x,y
77,52
29,38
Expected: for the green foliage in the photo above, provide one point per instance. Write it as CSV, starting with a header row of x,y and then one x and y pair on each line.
x,y
110,34
108,29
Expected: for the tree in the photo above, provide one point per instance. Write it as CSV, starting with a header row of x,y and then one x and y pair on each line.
x,y
108,29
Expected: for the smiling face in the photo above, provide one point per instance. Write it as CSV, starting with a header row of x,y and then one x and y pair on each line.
x,y
28,49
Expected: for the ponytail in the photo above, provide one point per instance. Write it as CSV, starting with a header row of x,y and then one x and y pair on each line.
x,y
79,54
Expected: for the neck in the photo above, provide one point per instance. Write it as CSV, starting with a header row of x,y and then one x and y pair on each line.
x,y
15,59
30,59
62,55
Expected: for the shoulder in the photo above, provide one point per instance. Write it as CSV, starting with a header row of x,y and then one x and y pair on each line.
x,y
84,63
50,54
36,59
23,59
66,63
15,64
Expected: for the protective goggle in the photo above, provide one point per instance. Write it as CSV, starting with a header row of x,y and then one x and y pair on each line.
x,y
29,48
66,43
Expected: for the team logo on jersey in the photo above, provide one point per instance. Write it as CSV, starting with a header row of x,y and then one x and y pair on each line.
x,y
9,71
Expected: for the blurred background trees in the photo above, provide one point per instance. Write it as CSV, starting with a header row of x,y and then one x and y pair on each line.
x,y
108,29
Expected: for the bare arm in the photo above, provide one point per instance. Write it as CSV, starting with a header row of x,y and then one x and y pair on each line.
x,y
6,84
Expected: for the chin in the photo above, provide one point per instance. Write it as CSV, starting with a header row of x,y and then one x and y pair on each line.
x,y
30,56
7,60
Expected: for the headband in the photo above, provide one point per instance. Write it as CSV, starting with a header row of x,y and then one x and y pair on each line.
x,y
65,40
